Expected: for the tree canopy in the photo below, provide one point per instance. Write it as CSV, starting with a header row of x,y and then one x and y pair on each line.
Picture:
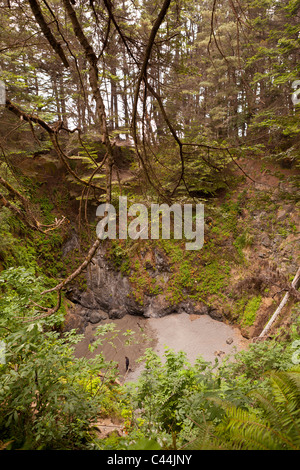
x,y
188,85
158,100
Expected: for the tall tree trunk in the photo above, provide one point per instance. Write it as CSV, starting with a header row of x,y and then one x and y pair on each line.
x,y
93,78
56,95
62,99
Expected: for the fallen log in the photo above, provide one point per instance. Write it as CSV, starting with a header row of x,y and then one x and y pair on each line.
x,y
280,306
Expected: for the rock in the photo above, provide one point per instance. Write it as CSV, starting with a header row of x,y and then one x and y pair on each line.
x,y
215,314
96,316
187,307
229,340
117,313
265,240
148,265
70,244
161,263
89,300
81,311
74,322
73,294
219,353
284,212
109,295
245,332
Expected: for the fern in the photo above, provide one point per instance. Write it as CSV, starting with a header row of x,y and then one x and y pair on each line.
x,y
275,422
206,439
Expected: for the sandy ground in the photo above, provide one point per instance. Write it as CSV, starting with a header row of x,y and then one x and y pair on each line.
x,y
119,344
196,335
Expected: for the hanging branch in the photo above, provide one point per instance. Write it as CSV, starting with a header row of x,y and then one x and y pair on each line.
x,y
87,191
69,49
27,216
19,214
14,192
28,118
143,78
58,288
174,134
49,311
37,12
30,220
77,271
53,134
64,160
147,54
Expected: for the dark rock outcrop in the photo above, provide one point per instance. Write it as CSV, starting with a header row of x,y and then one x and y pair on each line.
x,y
109,295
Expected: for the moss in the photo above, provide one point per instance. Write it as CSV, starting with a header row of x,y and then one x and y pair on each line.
x,y
242,241
247,309
117,254
173,250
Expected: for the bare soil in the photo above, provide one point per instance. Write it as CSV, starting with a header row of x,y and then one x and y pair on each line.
x,y
196,335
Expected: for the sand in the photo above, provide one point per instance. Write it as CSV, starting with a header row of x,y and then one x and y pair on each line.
x,y
195,335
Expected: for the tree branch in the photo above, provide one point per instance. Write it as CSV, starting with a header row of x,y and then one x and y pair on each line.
x,y
93,78
37,12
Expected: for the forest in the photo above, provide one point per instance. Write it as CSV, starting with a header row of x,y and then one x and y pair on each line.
x,y
174,102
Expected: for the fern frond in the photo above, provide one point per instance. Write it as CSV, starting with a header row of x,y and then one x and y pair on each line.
x,y
249,431
206,439
284,390
278,425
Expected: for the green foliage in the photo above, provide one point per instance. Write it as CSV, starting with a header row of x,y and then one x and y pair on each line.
x,y
259,358
172,396
274,423
186,405
247,309
13,250
118,255
20,295
242,241
49,398
48,252
159,395
218,89
145,444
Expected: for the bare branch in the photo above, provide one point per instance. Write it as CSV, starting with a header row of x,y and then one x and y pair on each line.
x,y
36,10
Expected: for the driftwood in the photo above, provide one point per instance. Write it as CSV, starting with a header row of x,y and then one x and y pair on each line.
x,y
280,306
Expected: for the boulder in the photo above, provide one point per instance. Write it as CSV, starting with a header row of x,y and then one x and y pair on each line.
x,y
95,316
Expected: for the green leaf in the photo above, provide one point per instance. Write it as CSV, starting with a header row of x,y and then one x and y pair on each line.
x,y
145,444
